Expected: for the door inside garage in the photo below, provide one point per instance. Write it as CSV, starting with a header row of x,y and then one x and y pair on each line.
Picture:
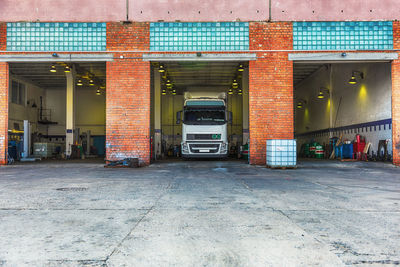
x,y
343,107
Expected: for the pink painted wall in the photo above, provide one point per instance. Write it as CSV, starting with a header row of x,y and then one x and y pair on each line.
x,y
199,10
62,10
188,10
335,10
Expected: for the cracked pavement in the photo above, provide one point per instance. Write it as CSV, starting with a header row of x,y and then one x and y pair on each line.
x,y
199,213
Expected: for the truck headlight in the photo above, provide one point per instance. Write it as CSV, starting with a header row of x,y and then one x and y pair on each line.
x,y
185,147
224,146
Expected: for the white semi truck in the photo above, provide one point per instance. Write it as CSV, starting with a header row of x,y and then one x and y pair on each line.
x,y
205,121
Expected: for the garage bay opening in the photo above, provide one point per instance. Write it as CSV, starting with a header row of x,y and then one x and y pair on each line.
x,y
343,110
199,110
57,110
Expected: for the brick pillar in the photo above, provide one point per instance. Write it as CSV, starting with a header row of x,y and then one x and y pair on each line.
x,y
396,97
3,36
396,111
270,87
270,103
3,112
128,109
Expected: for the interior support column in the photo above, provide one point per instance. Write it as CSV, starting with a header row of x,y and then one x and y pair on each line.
x,y
157,113
245,105
70,112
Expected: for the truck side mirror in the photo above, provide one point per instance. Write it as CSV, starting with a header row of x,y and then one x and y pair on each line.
x,y
178,117
230,117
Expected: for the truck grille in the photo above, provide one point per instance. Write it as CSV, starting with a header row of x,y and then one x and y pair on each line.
x,y
203,136
204,148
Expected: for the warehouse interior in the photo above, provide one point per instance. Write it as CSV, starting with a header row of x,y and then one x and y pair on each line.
x,y
170,80
344,107
38,94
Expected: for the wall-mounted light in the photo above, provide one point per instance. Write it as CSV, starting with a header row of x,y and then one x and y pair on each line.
x,y
353,76
32,103
241,68
98,92
79,82
53,68
321,94
301,103
161,68
67,69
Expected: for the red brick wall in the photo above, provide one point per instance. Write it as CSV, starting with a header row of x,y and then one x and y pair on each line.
x,y
396,111
128,93
122,37
396,96
128,109
3,112
396,34
3,36
270,87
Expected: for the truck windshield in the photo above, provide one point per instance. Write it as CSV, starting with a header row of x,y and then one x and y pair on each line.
x,y
204,116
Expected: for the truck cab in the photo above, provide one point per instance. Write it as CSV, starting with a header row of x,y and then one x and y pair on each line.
x,y
204,126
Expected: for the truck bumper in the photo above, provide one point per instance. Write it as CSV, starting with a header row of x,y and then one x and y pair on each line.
x,y
204,150
205,156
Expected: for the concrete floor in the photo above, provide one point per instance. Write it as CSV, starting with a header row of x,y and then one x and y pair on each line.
x,y
199,213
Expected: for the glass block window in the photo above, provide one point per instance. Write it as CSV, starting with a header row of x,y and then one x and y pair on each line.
x,y
199,36
349,35
45,36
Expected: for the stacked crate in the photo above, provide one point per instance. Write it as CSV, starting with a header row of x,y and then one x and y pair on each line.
x,y
281,153
44,150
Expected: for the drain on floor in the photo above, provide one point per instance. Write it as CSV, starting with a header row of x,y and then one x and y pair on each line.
x,y
72,189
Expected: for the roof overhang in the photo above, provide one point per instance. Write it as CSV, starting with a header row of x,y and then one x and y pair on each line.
x,y
342,57
55,57
200,57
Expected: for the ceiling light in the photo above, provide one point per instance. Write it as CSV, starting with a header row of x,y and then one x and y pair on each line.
x,y
168,83
240,92
67,69
352,80
161,68
164,92
234,83
353,76
79,83
174,92
240,68
321,94
53,68
230,91
301,103
91,82
98,92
